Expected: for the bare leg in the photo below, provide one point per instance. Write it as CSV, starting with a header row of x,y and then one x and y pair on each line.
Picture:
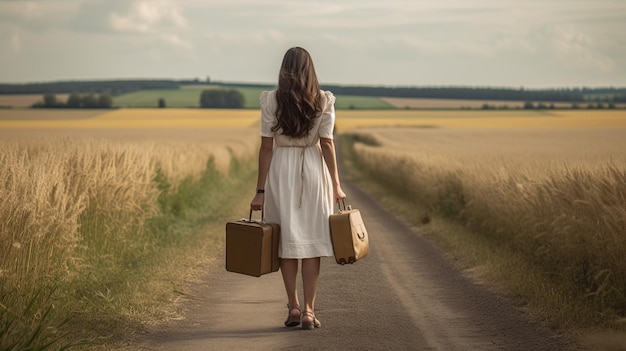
x,y
310,277
289,270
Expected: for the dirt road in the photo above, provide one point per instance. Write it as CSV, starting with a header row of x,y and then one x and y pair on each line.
x,y
404,296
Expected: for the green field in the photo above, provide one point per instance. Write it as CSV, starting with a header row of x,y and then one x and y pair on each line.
x,y
189,96
150,98
344,102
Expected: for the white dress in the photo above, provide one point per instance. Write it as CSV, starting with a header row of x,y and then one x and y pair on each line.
x,y
298,189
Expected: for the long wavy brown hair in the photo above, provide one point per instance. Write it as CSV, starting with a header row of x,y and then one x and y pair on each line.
x,y
298,94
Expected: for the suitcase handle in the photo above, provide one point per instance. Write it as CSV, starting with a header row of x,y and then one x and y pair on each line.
x,y
262,215
343,202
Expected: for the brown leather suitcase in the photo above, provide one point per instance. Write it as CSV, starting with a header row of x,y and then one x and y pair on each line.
x,y
348,234
252,247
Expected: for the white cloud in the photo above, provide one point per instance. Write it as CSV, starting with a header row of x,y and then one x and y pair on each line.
x,y
256,38
149,17
126,24
37,12
175,40
355,41
577,49
159,19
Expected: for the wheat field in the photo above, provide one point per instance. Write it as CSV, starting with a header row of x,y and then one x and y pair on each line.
x,y
81,206
127,118
350,120
557,196
346,119
88,194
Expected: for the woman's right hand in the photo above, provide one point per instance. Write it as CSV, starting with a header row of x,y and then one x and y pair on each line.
x,y
338,193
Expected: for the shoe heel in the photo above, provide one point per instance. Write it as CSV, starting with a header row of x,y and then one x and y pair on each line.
x,y
310,325
293,321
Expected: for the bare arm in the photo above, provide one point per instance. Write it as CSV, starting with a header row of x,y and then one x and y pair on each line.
x,y
265,157
330,157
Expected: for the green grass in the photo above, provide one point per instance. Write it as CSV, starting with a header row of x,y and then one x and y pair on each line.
x,y
251,96
343,102
190,97
181,98
150,98
32,328
347,102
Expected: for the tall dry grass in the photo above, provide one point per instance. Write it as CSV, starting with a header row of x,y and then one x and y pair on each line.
x,y
78,214
558,197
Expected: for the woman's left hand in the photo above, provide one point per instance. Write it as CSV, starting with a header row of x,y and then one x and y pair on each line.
x,y
257,202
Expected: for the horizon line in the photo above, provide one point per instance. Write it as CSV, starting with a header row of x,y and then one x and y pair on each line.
x,y
364,85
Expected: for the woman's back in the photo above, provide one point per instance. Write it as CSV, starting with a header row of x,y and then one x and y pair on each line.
x,y
322,125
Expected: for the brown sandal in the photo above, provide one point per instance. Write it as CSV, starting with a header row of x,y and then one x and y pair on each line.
x,y
293,321
312,323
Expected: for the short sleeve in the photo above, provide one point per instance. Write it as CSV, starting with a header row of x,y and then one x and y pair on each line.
x,y
268,119
327,124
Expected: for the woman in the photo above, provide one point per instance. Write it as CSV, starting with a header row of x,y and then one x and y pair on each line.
x,y
298,179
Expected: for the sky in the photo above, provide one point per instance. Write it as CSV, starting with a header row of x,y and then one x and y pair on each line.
x,y
495,43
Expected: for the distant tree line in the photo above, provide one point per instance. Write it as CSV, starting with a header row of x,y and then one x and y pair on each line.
x,y
113,87
472,93
221,98
619,98
566,95
118,87
594,105
530,105
76,100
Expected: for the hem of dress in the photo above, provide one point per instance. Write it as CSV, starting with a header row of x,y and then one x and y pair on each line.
x,y
308,251
300,258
